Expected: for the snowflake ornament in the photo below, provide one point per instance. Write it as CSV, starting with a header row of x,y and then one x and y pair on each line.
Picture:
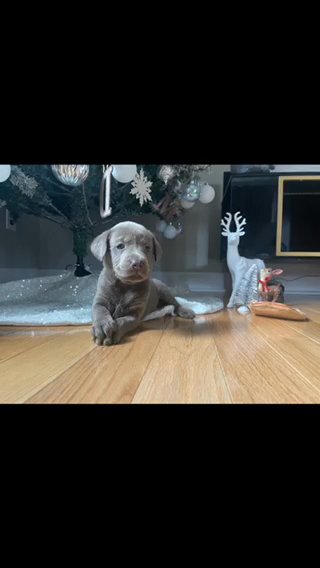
x,y
26,184
141,187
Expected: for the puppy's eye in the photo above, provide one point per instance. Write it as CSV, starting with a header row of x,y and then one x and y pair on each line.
x,y
148,247
120,246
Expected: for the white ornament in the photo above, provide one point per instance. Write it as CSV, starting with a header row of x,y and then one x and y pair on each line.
x,y
161,226
124,174
207,193
170,232
243,310
141,187
187,204
5,172
238,265
2,203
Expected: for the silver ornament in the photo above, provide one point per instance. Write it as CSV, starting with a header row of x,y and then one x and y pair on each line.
x,y
71,174
192,191
166,173
179,227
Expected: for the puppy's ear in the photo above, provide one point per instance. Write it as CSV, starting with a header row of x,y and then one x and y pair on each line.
x,y
100,246
157,250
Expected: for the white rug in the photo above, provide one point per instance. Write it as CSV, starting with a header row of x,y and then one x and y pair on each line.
x,y
64,299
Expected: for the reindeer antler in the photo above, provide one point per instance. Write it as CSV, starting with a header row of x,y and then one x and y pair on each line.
x,y
226,222
239,224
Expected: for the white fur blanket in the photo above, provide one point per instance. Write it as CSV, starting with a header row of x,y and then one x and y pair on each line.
x,y
64,299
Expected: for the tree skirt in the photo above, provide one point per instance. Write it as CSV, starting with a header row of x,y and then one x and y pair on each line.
x,y
63,299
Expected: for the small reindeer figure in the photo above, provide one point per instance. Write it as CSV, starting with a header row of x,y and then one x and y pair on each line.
x,y
238,265
270,292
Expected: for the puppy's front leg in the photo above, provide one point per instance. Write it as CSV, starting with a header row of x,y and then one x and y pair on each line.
x,y
129,322
167,298
125,324
104,326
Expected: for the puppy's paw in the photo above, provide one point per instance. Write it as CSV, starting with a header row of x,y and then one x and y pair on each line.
x,y
185,313
103,332
116,338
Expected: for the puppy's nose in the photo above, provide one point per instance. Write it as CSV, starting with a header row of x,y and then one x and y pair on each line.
x,y
138,264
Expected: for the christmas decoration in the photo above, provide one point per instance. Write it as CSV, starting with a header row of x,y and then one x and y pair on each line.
x,y
207,193
26,184
2,203
160,226
277,310
124,174
248,290
5,172
238,265
141,187
105,193
187,204
192,191
69,195
199,168
71,174
269,289
166,173
170,232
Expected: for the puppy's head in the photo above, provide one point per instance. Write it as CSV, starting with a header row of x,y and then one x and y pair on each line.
x,y
129,249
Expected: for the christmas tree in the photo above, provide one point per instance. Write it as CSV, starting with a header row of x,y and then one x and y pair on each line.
x,y
248,288
69,196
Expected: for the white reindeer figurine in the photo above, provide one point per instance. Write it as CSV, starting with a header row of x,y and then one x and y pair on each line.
x,y
238,265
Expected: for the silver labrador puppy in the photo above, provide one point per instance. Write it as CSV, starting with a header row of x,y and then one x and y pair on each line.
x,y
125,292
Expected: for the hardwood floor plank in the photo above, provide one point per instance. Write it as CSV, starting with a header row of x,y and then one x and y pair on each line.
x,y
254,371
311,313
14,341
185,368
310,305
106,374
298,350
26,373
309,329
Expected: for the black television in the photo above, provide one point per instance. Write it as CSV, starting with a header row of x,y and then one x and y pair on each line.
x,y
298,218
282,212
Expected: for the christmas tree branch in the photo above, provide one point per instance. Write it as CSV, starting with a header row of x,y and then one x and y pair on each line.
x,y
43,214
86,205
63,189
58,212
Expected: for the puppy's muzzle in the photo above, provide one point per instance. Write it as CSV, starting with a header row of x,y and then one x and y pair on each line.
x,y
138,265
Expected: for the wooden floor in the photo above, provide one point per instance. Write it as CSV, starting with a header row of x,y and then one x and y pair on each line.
x,y
221,358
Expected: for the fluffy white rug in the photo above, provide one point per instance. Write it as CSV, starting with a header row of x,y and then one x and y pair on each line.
x,y
64,299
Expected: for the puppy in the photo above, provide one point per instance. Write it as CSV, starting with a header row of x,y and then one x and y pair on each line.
x,y
125,292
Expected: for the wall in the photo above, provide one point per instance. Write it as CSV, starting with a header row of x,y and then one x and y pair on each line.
x,y
297,168
20,248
